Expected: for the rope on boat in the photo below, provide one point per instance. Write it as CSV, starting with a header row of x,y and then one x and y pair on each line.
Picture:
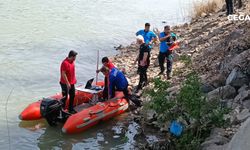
x,y
6,117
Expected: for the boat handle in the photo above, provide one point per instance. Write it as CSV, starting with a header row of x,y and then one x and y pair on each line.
x,y
97,112
86,119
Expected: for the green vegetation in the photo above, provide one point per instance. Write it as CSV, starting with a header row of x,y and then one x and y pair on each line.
x,y
190,106
185,59
177,72
125,139
160,100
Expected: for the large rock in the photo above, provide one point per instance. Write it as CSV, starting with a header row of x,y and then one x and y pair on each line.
x,y
243,88
218,80
214,147
160,144
241,59
206,88
240,140
230,103
246,104
248,70
242,96
244,114
215,140
225,92
150,115
217,131
173,90
236,78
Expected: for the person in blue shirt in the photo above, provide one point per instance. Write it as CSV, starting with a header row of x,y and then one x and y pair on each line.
x,y
166,38
118,82
149,36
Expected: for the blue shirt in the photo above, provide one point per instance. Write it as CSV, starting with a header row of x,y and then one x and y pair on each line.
x,y
148,36
117,80
164,46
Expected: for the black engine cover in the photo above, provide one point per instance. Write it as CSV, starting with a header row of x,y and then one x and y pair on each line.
x,y
50,110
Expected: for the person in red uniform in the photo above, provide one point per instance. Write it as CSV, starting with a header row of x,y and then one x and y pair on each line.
x,y
106,63
68,80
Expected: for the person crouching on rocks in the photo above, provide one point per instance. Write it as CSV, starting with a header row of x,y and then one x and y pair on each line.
x,y
167,39
143,62
118,82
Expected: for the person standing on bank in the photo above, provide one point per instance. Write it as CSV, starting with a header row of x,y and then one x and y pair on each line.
x,y
229,5
143,62
68,80
149,36
167,38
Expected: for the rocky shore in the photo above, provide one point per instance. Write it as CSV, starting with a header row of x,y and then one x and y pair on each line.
x,y
219,51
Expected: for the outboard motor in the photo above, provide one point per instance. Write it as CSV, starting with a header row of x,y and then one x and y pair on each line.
x,y
51,110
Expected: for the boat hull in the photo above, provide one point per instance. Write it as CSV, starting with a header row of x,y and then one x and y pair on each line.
x,y
85,117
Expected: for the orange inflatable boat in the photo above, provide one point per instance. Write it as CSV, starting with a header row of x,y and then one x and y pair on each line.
x,y
89,111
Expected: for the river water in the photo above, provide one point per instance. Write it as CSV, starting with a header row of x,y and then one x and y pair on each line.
x,y
36,35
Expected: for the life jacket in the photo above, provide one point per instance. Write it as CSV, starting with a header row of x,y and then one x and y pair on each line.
x,y
174,46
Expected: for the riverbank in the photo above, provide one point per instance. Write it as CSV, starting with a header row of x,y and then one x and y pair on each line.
x,y
218,50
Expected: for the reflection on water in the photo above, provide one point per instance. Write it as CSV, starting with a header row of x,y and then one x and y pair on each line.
x,y
117,133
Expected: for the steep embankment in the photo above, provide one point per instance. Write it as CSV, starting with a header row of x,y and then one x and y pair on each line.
x,y
219,51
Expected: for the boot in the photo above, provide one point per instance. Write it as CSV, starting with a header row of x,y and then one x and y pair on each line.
x,y
169,75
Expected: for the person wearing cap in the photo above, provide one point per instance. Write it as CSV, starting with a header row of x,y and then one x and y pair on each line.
x,y
143,62
68,80
149,36
167,39
118,82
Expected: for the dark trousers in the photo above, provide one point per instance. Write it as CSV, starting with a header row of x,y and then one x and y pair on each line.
x,y
65,93
169,56
105,90
239,3
142,70
230,9
130,97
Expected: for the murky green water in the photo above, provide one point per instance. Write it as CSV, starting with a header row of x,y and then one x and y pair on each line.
x,y
36,35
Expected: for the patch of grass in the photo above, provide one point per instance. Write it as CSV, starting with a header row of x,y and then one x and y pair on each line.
x,y
186,59
177,72
159,100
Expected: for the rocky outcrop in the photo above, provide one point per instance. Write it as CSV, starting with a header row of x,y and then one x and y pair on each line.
x,y
237,78
217,140
240,140
219,50
222,93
